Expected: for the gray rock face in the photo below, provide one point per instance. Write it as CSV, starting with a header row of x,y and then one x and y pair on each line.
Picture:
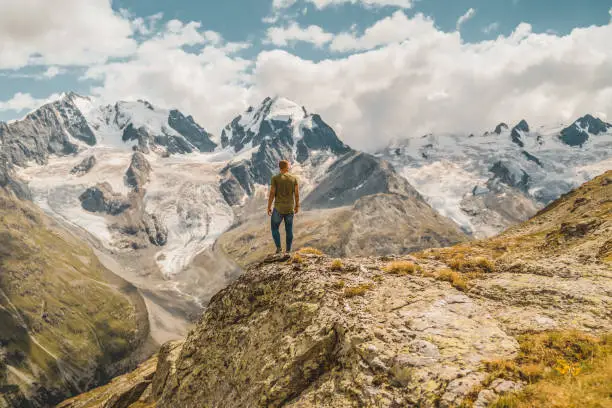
x,y
321,136
240,178
44,132
84,167
297,339
275,140
578,133
101,198
138,173
155,229
500,128
356,175
191,131
10,182
516,135
510,174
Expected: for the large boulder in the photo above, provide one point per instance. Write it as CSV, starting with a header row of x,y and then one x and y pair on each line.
x,y
102,199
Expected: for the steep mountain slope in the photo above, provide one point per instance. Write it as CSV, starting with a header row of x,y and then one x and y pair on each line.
x,y
66,323
133,180
488,182
438,329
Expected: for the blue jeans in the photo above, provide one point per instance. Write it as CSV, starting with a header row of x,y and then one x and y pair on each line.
x,y
276,220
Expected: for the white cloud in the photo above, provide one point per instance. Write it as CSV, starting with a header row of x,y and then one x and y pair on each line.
x,y
409,77
22,101
283,36
491,28
395,28
320,4
438,83
468,15
145,26
61,32
53,71
209,83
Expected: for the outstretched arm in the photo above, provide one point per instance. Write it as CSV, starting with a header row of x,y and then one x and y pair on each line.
x,y
271,199
297,199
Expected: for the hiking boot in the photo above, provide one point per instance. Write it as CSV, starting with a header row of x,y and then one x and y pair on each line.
x,y
278,250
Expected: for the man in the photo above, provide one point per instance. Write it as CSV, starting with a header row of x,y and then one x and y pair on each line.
x,y
285,195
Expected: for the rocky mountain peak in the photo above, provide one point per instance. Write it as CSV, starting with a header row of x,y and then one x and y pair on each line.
x,y
519,131
578,132
500,128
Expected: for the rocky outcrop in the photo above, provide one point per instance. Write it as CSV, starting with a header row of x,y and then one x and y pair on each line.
x,y
138,173
84,166
578,133
138,389
521,129
9,181
102,199
500,128
510,174
155,229
45,131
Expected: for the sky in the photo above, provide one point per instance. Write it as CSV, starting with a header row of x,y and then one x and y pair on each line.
x,y
376,70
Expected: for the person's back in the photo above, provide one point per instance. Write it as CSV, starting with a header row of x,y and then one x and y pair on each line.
x,y
284,193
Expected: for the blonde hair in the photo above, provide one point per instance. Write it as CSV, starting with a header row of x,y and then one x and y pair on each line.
x,y
283,165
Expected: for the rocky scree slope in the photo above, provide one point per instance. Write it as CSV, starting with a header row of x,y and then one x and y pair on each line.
x,y
491,181
393,331
67,324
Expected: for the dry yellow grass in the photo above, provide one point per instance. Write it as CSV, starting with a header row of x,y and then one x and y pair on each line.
x,y
358,290
336,265
564,369
296,259
402,268
310,251
455,279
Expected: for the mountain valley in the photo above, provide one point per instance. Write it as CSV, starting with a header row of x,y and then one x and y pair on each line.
x,y
169,215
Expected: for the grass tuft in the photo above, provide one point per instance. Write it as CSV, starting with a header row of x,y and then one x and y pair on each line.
x,y
296,259
310,251
336,265
455,279
402,268
358,290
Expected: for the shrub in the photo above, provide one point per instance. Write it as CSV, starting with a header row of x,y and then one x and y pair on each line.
x,y
402,268
358,290
310,251
336,265
455,279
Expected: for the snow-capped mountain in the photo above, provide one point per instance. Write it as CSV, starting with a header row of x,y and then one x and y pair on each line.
x,y
74,122
487,182
277,129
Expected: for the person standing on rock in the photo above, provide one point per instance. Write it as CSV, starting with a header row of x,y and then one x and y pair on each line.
x,y
284,193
